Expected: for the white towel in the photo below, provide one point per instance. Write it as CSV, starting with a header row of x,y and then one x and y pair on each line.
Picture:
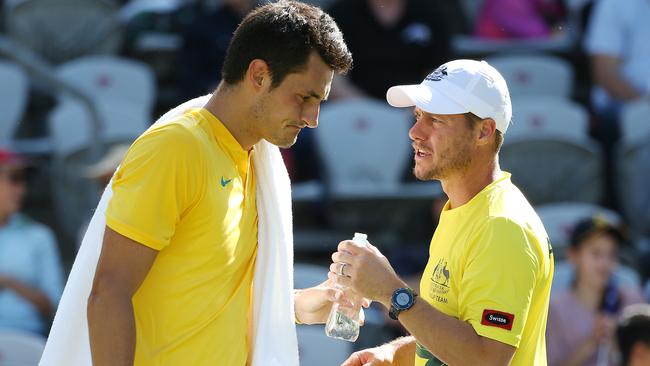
x,y
274,333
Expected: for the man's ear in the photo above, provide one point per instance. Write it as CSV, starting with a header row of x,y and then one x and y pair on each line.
x,y
487,130
258,75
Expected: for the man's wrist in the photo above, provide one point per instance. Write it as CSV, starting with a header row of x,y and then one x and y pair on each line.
x,y
403,349
387,296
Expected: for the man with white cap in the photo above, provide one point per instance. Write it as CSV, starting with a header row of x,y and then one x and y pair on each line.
x,y
484,295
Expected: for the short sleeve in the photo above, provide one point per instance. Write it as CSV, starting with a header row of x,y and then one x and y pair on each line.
x,y
158,181
498,281
606,30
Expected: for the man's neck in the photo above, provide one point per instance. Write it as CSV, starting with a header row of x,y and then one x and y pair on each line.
x,y
232,110
463,186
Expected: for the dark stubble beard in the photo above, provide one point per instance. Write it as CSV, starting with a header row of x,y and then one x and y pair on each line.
x,y
278,137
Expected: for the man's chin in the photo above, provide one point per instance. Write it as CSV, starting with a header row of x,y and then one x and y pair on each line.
x,y
423,175
285,143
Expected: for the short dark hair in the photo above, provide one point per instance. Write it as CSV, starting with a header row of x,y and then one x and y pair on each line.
x,y
473,120
283,34
633,327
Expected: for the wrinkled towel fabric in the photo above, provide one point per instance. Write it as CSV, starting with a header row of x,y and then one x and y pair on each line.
x,y
273,329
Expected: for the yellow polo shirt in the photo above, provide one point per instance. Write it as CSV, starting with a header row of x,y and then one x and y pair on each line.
x,y
491,265
187,189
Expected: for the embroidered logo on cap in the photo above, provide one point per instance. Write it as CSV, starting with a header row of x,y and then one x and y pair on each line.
x,y
499,319
437,74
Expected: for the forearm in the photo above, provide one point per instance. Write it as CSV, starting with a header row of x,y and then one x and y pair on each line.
x,y
112,329
445,336
607,75
404,351
34,296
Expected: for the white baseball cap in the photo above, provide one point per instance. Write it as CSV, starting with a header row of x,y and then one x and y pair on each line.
x,y
457,87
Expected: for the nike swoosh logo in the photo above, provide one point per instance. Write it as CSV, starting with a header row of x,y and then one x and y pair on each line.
x,y
225,182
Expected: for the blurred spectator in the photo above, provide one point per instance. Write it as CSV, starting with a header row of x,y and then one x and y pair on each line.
x,y
633,335
206,35
640,206
617,44
617,41
393,42
523,19
581,318
31,278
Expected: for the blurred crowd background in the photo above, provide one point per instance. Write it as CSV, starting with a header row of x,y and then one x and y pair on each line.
x,y
81,79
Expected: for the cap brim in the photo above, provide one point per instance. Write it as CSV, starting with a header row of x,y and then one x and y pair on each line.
x,y
423,97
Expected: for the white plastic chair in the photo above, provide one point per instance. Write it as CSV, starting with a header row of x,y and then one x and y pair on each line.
x,y
14,87
73,195
365,149
70,127
61,30
560,218
535,75
548,117
136,7
364,146
20,348
111,78
549,153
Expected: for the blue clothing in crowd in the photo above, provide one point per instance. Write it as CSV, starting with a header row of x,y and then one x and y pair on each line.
x,y
29,254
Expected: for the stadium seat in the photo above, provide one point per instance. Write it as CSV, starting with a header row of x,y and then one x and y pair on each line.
x,y
20,348
61,30
70,129
535,75
14,86
365,150
550,155
560,218
111,78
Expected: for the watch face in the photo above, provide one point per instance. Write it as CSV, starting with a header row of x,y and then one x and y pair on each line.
x,y
403,299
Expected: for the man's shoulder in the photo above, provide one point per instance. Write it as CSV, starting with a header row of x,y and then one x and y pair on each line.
x,y
177,132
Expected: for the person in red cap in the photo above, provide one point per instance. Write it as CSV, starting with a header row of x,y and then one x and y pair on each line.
x,y
31,279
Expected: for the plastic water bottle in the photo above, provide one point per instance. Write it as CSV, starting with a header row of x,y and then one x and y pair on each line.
x,y
343,321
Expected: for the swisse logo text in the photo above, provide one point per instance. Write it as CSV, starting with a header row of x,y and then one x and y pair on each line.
x,y
496,319
499,319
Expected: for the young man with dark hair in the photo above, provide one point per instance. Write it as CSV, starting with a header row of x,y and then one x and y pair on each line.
x,y
174,281
633,335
